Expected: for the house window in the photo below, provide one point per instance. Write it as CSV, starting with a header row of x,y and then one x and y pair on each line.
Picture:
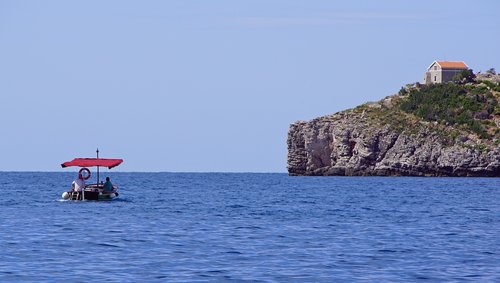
x,y
435,68
435,78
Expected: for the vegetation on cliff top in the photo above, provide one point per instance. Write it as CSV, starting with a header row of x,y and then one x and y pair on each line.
x,y
451,110
465,106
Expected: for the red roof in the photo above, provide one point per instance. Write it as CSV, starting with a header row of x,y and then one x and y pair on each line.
x,y
90,162
452,65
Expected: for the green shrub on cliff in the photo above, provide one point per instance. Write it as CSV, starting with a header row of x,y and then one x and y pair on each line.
x,y
452,104
465,76
492,85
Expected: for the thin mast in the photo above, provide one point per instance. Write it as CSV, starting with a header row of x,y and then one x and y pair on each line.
x,y
97,151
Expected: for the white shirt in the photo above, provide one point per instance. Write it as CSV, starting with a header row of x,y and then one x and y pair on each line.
x,y
78,185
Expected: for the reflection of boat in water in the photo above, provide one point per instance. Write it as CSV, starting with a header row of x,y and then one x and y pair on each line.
x,y
97,191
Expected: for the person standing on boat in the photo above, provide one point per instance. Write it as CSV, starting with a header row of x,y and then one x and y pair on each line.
x,y
79,184
107,187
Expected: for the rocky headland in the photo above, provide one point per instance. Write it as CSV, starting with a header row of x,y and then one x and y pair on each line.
x,y
449,129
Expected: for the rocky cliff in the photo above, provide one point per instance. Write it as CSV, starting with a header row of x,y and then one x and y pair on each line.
x,y
439,130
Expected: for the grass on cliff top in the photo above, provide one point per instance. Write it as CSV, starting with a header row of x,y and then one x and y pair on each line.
x,y
465,106
386,116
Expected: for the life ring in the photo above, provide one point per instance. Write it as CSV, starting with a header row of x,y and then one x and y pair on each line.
x,y
80,175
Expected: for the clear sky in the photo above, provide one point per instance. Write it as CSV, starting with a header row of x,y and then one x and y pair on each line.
x,y
186,85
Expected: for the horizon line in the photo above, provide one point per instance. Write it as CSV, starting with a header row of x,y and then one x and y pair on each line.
x,y
182,172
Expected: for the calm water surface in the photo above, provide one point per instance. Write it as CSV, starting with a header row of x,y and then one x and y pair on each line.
x,y
169,227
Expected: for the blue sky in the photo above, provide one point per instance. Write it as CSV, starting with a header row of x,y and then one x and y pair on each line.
x,y
210,85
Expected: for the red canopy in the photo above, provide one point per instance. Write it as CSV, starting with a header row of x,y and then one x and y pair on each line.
x,y
90,162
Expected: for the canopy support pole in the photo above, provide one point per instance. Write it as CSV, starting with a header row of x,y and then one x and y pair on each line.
x,y
97,151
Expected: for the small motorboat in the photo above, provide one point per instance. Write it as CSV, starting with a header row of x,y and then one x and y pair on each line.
x,y
91,191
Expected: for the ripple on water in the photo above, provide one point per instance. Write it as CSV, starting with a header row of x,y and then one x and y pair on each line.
x,y
251,227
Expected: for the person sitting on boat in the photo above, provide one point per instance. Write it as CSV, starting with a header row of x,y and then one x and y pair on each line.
x,y
79,184
107,187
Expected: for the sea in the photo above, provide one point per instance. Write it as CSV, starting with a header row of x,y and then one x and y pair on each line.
x,y
250,227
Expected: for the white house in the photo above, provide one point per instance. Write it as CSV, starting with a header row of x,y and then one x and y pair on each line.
x,y
443,71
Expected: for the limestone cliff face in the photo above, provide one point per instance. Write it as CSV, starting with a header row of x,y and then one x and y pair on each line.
x,y
380,141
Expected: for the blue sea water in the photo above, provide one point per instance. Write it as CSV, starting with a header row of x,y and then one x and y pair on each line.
x,y
213,227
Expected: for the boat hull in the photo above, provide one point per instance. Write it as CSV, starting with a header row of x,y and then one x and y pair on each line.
x,y
89,195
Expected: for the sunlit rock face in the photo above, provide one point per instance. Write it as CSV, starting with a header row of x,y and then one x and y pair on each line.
x,y
378,139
